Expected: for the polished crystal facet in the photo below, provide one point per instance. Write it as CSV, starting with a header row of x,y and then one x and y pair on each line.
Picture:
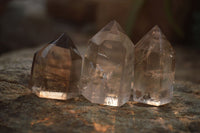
x,y
108,67
154,69
56,70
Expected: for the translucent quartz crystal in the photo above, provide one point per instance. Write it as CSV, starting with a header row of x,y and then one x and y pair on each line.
x,y
154,69
108,67
56,70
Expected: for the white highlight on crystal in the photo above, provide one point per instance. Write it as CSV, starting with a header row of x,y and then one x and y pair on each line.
x,y
53,95
48,94
113,101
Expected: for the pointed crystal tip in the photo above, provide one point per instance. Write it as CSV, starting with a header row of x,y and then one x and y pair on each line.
x,y
112,31
156,32
64,41
113,27
156,27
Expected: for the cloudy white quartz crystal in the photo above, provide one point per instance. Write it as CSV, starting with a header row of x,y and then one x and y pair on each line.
x,y
108,67
154,69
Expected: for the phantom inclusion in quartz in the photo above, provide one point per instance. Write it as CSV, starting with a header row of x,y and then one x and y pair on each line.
x,y
154,69
108,67
56,70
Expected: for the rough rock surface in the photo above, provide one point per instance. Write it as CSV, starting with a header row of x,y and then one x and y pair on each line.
x,y
21,111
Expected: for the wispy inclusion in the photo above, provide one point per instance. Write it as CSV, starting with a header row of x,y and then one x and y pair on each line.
x,y
154,69
108,67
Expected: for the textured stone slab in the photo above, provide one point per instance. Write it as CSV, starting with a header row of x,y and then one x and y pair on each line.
x,y
21,111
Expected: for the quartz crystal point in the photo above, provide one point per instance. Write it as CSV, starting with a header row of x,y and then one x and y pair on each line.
x,y
154,69
108,67
56,70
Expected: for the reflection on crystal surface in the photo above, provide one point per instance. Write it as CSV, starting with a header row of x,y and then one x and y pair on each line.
x,y
49,94
108,65
154,69
56,70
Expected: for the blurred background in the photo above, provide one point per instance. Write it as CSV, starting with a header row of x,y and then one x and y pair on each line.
x,y
30,23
